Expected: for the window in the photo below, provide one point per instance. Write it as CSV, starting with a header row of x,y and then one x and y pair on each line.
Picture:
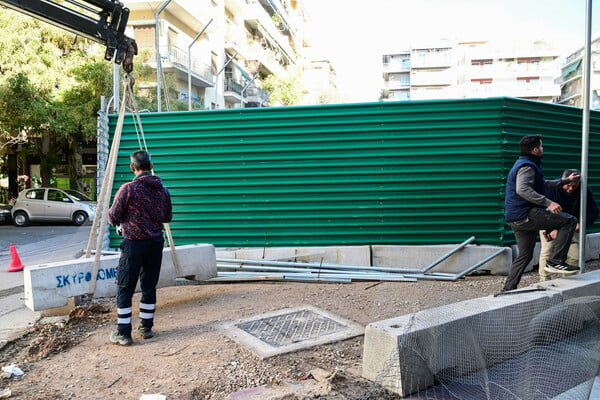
x,y
528,80
482,62
57,195
35,194
482,81
528,60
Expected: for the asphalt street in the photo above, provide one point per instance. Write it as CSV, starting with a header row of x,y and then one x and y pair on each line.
x,y
35,244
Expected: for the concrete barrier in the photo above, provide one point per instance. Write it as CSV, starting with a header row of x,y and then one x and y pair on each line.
x,y
422,256
404,354
51,285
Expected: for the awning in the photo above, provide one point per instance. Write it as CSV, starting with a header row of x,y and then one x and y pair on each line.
x,y
571,68
244,73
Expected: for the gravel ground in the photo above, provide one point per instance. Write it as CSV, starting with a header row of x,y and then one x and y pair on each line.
x,y
190,358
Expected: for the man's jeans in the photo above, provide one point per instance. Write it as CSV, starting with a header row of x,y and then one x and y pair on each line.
x,y
526,232
545,250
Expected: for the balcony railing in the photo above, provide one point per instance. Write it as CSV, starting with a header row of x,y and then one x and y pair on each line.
x,y
231,86
177,56
256,95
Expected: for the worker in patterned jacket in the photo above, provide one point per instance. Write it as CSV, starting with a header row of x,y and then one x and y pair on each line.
x,y
139,210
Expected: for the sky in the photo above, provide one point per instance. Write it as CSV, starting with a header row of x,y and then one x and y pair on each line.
x,y
354,34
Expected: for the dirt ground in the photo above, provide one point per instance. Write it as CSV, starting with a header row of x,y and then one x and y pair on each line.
x,y
190,358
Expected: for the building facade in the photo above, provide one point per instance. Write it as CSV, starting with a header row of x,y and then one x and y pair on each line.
x,y
472,70
215,53
571,77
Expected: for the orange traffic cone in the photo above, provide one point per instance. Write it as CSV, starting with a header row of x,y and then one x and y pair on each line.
x,y
15,263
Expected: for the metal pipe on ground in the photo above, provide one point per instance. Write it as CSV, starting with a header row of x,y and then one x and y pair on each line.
x,y
445,256
240,267
314,265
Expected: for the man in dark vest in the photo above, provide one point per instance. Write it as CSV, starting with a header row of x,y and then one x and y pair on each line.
x,y
527,211
569,198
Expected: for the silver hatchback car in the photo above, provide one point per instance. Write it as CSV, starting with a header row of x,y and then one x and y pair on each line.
x,y
52,204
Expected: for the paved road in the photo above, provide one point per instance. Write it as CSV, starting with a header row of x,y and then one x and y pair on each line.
x,y
36,244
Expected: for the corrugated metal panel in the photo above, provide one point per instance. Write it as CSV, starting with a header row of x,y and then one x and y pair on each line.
x,y
427,172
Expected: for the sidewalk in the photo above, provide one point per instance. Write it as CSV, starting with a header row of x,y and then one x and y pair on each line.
x,y
15,317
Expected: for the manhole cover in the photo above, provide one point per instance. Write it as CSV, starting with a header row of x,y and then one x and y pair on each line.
x,y
294,327
289,330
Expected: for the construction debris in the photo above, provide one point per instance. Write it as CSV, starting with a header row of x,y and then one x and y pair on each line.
x,y
230,269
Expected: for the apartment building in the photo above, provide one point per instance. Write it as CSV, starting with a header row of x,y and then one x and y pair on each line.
x,y
215,53
517,69
432,72
571,77
320,83
472,69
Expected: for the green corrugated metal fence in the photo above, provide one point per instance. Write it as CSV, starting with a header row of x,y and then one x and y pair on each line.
x,y
423,172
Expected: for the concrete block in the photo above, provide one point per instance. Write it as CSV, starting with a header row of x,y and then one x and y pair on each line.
x,y
422,256
405,354
343,255
51,285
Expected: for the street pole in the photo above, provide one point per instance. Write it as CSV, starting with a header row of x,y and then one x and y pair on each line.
x,y
585,134
157,45
190,64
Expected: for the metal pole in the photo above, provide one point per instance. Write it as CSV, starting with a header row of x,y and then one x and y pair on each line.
x,y
585,135
116,87
244,90
157,45
226,64
442,258
190,64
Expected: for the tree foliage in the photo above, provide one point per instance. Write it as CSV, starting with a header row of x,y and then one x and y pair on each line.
x,y
51,82
286,91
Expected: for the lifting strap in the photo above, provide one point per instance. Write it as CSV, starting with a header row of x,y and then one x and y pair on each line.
x,y
101,217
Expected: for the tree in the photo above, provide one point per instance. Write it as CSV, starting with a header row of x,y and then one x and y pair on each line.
x,y
50,87
25,112
286,91
77,113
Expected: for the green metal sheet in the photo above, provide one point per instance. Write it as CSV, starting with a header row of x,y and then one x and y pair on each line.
x,y
421,172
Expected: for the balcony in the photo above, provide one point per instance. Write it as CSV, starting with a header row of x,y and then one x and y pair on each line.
x,y
235,40
232,91
396,84
256,97
506,70
431,60
261,21
392,67
175,60
443,77
513,90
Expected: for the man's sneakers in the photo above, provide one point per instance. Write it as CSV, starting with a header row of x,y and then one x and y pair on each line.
x,y
145,333
561,268
117,338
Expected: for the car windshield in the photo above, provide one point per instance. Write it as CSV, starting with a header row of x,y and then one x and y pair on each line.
x,y
77,195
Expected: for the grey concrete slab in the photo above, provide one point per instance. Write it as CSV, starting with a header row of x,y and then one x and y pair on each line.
x,y
404,354
289,330
422,256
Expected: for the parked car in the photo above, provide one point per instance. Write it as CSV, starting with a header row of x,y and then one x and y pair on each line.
x,y
52,204
5,216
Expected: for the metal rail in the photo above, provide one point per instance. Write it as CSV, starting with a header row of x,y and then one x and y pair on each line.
x,y
228,268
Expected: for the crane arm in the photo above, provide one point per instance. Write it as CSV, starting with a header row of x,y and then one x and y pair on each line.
x,y
103,21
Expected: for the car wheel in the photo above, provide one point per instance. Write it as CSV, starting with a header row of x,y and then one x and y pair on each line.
x,y
79,218
21,219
